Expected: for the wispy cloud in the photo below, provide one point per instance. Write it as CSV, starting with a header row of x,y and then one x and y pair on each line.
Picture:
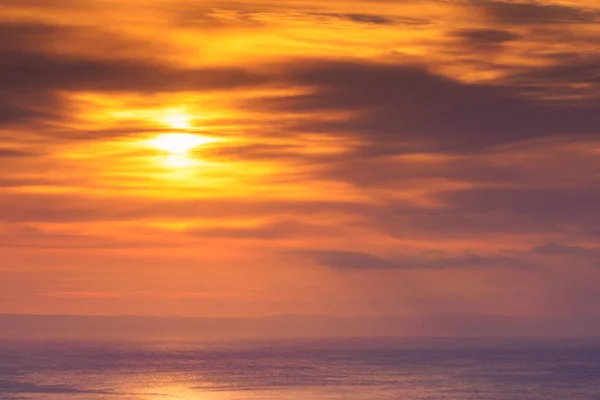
x,y
424,261
164,295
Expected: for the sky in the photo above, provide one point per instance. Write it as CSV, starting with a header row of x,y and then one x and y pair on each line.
x,y
346,158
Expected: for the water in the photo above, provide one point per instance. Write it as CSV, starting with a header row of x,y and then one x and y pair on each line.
x,y
301,370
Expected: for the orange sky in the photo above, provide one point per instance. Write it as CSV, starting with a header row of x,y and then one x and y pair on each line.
x,y
246,158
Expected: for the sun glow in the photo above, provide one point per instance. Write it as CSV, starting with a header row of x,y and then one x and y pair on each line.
x,y
178,120
179,143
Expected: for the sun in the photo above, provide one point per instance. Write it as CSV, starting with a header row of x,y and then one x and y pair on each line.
x,y
179,143
177,120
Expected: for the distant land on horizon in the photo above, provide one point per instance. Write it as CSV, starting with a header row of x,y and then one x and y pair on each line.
x,y
68,327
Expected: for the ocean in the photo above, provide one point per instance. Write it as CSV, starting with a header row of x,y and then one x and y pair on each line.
x,y
356,369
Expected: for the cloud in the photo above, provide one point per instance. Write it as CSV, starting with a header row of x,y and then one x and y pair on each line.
x,y
357,260
555,249
534,13
160,295
28,107
544,205
571,77
487,37
365,18
404,104
20,387
19,35
43,207
6,153
483,217
25,70
269,231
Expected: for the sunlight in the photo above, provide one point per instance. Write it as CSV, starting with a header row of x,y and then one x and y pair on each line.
x,y
179,143
179,161
184,392
178,120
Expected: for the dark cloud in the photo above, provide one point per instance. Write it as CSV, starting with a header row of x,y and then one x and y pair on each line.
x,y
395,104
14,153
25,34
375,19
531,13
11,114
435,260
570,75
199,16
556,205
402,222
276,230
555,249
584,70
19,387
486,37
366,18
22,70
490,212
400,165
21,106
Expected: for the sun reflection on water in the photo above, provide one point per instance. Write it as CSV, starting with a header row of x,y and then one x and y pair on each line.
x,y
183,392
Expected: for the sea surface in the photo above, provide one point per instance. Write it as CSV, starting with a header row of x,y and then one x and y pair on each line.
x,y
358,369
